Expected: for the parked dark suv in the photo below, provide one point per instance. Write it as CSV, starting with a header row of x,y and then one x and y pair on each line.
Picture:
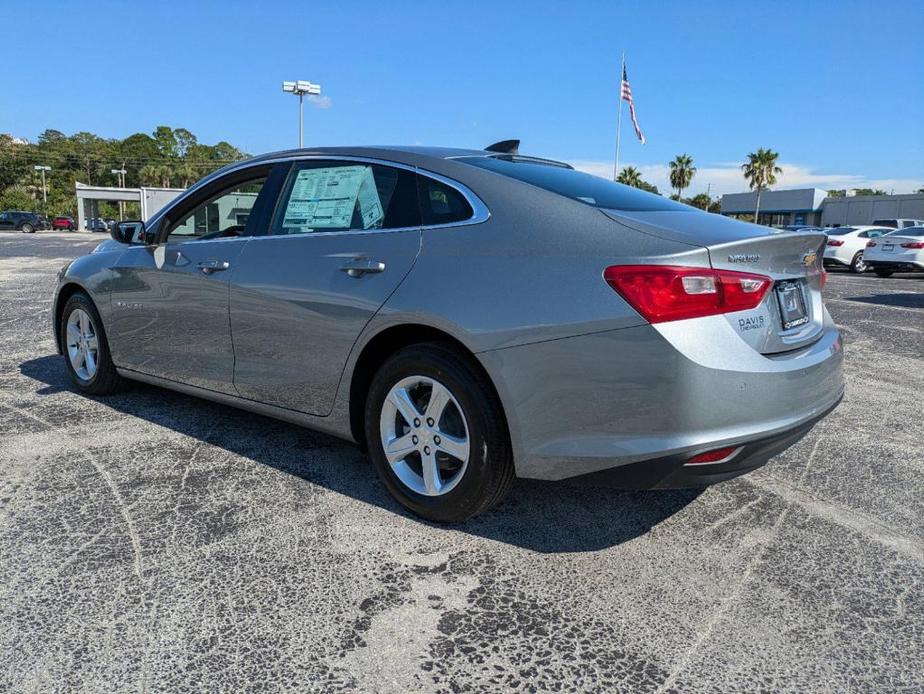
x,y
26,222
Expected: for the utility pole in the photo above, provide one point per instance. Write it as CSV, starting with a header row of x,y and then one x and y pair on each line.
x,y
121,174
43,169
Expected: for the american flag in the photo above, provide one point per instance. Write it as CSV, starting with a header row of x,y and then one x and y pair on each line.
x,y
627,96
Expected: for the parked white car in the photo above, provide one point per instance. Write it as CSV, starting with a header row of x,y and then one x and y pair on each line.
x,y
898,223
900,251
846,245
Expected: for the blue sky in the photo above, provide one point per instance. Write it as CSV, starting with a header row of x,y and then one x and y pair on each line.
x,y
837,88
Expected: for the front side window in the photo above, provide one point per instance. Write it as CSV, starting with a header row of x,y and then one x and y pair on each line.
x,y
223,215
325,196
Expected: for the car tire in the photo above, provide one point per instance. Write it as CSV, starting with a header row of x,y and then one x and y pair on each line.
x,y
883,273
92,371
471,418
27,229
857,266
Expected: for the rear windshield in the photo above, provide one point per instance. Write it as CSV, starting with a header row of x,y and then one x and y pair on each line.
x,y
885,223
839,231
911,231
592,190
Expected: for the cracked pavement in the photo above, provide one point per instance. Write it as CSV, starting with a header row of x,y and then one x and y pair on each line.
x,y
155,542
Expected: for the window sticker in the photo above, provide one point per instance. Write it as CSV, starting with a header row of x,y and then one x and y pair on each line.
x,y
326,198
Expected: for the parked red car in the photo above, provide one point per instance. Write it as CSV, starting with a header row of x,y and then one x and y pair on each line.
x,y
64,223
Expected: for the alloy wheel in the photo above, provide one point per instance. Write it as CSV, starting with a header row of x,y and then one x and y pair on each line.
x,y
82,344
424,435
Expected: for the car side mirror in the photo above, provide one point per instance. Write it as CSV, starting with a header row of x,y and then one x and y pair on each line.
x,y
131,232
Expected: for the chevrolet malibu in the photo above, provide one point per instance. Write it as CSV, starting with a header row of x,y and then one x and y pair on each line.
x,y
467,316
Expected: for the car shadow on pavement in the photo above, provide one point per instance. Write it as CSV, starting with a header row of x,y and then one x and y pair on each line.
x,y
901,300
540,516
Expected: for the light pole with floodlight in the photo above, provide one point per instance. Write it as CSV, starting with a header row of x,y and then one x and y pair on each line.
x,y
301,87
43,169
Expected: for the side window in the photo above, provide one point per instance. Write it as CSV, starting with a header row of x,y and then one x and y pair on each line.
x,y
441,204
323,196
866,234
223,215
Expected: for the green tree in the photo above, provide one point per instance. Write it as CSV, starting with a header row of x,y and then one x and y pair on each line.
x,y
869,191
156,175
649,188
17,198
166,142
760,171
186,172
630,176
184,141
682,171
837,193
704,202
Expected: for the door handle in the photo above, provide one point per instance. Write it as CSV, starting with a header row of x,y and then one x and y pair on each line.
x,y
357,267
210,266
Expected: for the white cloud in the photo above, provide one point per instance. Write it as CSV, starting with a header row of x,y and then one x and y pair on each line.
x,y
320,101
726,178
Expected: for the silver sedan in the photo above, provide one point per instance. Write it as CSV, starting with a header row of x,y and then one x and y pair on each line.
x,y
468,316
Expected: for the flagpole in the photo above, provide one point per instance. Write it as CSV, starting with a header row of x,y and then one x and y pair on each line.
x,y
622,69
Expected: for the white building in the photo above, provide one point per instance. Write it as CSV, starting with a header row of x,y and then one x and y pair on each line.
x,y
149,200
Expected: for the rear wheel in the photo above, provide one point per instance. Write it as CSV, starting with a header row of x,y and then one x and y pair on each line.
x,y
27,228
86,351
436,434
857,265
883,273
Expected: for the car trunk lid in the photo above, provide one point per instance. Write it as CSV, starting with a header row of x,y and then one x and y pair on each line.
x,y
791,315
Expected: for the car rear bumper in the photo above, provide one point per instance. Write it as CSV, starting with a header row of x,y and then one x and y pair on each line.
x,y
630,397
897,265
674,472
838,255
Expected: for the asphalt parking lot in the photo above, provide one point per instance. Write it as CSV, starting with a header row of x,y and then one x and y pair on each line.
x,y
154,542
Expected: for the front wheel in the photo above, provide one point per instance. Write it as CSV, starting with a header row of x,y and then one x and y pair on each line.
x,y
883,273
436,433
857,265
86,351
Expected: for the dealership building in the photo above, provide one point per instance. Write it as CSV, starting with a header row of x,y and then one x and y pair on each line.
x,y
148,200
813,207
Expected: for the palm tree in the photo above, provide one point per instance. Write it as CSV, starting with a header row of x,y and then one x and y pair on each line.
x,y
630,176
760,170
682,171
186,172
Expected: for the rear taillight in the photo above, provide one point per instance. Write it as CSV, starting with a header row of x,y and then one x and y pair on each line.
x,y
835,242
663,293
870,244
913,244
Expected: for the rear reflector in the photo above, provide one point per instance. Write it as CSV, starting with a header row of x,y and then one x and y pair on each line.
x,y
835,242
719,455
662,293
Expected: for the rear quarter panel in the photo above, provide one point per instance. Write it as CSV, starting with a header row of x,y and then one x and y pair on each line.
x,y
532,272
